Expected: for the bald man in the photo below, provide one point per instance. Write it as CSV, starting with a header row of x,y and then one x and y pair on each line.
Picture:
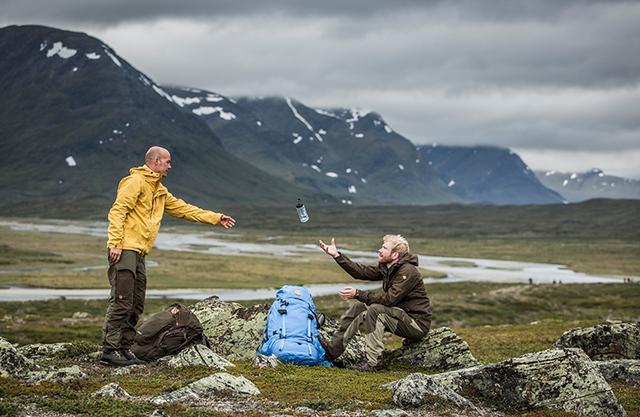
x,y
134,221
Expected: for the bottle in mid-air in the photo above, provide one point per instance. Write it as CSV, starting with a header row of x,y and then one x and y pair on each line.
x,y
302,212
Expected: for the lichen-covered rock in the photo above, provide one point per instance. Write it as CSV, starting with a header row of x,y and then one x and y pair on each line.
x,y
43,350
442,350
623,370
12,362
415,390
55,375
564,379
198,355
390,413
111,390
262,361
217,384
158,413
605,341
234,331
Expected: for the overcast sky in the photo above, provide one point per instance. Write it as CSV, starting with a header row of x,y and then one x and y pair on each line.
x,y
556,81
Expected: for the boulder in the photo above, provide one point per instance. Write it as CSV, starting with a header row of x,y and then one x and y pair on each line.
x,y
198,355
413,390
158,413
43,350
12,362
262,361
605,341
61,375
218,384
563,379
390,413
441,350
621,370
111,390
234,331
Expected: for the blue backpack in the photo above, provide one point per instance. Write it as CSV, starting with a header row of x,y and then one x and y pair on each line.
x,y
291,332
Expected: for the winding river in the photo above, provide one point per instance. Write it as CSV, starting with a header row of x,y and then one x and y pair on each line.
x,y
457,269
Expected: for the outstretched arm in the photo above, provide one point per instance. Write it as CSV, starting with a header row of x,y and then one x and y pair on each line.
x,y
356,270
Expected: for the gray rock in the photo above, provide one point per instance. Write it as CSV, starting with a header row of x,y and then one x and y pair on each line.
x,y
564,379
81,315
54,375
390,413
42,350
623,370
111,390
12,362
198,355
158,413
605,341
234,331
442,350
416,390
262,361
220,383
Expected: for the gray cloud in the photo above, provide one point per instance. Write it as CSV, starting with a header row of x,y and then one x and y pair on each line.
x,y
539,77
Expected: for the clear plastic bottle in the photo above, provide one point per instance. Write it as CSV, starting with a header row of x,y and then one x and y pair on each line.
x,y
302,212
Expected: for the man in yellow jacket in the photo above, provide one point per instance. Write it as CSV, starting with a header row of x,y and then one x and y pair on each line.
x,y
134,221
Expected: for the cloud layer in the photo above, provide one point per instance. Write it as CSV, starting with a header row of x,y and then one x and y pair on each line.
x,y
551,80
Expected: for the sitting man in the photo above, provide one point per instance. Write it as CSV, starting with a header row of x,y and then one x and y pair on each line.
x,y
402,308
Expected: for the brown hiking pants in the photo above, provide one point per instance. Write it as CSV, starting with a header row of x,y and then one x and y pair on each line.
x,y
376,318
128,280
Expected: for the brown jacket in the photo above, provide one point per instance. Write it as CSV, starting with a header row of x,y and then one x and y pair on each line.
x,y
402,286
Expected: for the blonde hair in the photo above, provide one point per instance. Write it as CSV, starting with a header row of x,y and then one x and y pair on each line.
x,y
399,244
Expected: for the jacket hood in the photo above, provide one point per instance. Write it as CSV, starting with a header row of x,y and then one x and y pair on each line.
x,y
408,258
148,174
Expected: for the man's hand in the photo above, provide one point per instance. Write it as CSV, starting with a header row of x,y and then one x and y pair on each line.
x,y
330,249
227,221
115,254
347,293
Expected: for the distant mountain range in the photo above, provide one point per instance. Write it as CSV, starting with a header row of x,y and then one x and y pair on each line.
x,y
74,116
577,187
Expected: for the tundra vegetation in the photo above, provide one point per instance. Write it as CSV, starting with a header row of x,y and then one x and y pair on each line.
x,y
498,321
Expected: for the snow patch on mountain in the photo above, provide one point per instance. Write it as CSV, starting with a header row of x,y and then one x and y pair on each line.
x,y
70,161
112,56
62,51
185,101
302,119
162,93
206,110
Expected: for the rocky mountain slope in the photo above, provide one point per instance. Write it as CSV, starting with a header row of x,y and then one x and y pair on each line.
x,y
591,184
75,116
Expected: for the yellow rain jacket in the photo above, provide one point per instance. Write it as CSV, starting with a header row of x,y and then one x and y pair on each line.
x,y
134,218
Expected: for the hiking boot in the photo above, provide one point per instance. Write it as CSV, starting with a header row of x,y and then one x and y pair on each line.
x,y
329,352
131,357
411,342
114,358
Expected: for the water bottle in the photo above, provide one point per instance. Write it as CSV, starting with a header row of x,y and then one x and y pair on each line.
x,y
302,212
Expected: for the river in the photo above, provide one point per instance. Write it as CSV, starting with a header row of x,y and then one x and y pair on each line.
x,y
457,269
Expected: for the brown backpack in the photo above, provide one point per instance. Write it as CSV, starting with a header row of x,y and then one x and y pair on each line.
x,y
167,333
